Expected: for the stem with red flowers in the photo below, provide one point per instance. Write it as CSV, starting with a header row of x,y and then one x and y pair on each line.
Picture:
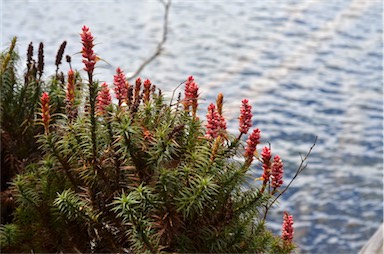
x,y
89,59
46,116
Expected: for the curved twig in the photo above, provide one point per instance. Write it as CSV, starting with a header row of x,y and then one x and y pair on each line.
x,y
300,169
174,90
160,45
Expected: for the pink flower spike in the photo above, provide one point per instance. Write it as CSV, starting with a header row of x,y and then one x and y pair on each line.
x,y
121,86
45,110
89,58
103,99
277,172
266,154
266,157
213,122
191,95
252,142
287,230
245,118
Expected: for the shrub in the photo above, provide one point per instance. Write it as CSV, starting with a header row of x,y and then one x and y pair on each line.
x,y
142,175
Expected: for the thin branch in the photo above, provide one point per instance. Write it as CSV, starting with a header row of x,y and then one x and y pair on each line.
x,y
300,169
159,45
174,90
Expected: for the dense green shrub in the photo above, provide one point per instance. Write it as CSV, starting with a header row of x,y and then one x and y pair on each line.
x,y
143,175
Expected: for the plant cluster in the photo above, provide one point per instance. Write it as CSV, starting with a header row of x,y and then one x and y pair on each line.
x,y
142,175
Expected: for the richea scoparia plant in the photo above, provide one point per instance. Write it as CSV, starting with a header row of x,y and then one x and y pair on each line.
x,y
142,175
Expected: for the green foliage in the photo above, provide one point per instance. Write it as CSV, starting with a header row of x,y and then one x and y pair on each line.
x,y
19,114
8,235
141,177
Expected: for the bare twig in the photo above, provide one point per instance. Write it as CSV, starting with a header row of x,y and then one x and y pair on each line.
x,y
160,45
300,169
174,90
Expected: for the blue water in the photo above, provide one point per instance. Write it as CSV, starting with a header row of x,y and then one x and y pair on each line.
x,y
310,68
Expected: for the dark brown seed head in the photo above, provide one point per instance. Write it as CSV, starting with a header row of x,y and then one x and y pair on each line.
x,y
40,63
60,54
29,54
129,95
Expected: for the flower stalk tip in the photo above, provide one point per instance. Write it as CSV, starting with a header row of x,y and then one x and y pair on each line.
x,y
287,230
277,172
212,122
137,89
191,95
245,118
89,57
103,99
121,86
219,103
147,90
71,86
59,55
216,124
252,141
266,157
45,110
70,96
40,63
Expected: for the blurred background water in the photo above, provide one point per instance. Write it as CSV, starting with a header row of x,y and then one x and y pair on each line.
x,y
310,68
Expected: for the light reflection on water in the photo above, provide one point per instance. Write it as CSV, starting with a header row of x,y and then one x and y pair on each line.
x,y
310,68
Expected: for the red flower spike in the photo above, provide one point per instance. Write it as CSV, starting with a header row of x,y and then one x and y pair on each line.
x,y
121,86
252,141
89,58
147,90
137,89
103,99
277,172
213,122
287,230
266,156
245,118
45,110
191,95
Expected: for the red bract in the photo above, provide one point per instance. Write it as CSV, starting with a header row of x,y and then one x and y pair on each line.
x,y
103,99
121,86
147,90
137,89
71,87
213,122
266,157
87,50
252,141
45,110
245,118
191,95
277,172
287,230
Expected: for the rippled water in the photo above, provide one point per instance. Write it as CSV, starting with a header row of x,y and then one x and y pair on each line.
x,y
310,68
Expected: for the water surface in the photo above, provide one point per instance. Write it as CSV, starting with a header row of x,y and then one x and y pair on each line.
x,y
310,68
